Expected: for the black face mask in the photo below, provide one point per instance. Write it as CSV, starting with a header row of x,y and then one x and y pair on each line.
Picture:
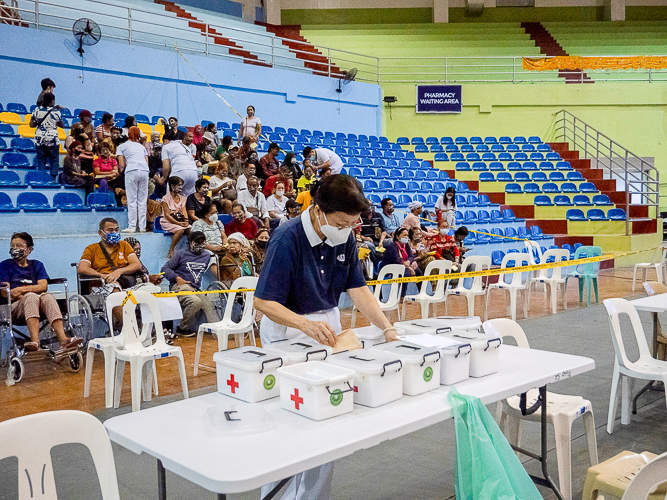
x,y
261,243
17,253
197,248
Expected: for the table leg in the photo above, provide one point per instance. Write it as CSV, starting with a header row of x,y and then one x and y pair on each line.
x,y
161,481
222,496
654,352
275,490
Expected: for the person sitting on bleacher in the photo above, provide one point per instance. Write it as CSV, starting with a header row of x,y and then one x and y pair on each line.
x,y
29,297
86,121
254,202
323,157
242,181
269,162
46,119
184,271
105,168
216,239
246,150
103,130
442,244
241,224
391,220
236,262
284,175
111,259
72,172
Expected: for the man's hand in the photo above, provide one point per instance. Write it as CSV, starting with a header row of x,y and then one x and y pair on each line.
x,y
180,281
320,331
390,335
113,276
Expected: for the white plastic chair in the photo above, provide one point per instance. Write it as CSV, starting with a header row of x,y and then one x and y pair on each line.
x,y
653,474
477,263
106,345
25,438
423,298
551,278
562,410
518,281
129,348
223,329
658,266
394,271
645,368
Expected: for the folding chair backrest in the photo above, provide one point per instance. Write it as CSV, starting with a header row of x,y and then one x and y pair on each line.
x,y
592,268
505,327
616,307
558,254
33,450
244,282
520,260
132,339
437,267
391,271
477,263
116,300
653,474
654,288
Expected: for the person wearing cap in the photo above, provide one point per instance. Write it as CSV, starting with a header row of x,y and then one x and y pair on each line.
x,y
47,88
236,262
322,157
241,224
292,210
185,271
309,262
413,218
86,121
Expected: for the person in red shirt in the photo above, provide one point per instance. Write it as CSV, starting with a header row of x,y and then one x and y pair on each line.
x,y
269,162
285,176
241,224
444,245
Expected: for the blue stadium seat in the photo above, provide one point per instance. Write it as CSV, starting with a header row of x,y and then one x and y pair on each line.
x,y
581,200
462,187
529,165
562,200
395,174
399,186
9,179
103,202
575,214
421,148
439,186
521,176
417,140
462,166
546,165
496,165
490,140
403,200
15,107
523,232
456,157
467,148
497,148
432,140
65,113
441,157
432,200
421,198
543,148
472,201
556,176
3,146
508,215
22,145
520,156
353,161
482,148
380,162
527,148
587,187
426,187
568,247
461,140
424,165
382,173
504,177
408,174
15,160
446,140
475,140
70,202
6,205
563,165
510,232
543,200
483,201
538,176
531,187
281,130
550,187
602,199
568,187
479,166
39,179
513,188
437,148
537,234
420,175
34,202
514,165
552,156
451,148
385,186
413,186
533,139
488,157
536,156
519,140
6,130
512,148
432,175
461,200
616,214
596,214
375,199
505,140
487,177
141,119
497,257
472,157
470,217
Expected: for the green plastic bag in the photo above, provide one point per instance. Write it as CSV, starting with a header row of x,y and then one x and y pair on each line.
x,y
486,466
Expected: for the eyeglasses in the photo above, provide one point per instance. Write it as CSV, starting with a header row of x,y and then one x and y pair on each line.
x,y
356,225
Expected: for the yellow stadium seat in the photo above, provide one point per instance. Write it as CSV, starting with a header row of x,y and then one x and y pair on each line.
x,y
26,119
62,135
145,128
11,118
26,131
63,151
159,128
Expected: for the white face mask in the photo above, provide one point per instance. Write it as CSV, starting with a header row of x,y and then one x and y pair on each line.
x,y
404,241
450,196
443,231
337,236
213,217
280,192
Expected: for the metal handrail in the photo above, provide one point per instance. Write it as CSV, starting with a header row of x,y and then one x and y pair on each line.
x,y
639,177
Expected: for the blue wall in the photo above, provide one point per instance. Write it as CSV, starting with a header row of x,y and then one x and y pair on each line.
x,y
136,79
221,6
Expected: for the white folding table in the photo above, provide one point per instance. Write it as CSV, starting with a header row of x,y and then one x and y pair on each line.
x,y
233,464
655,304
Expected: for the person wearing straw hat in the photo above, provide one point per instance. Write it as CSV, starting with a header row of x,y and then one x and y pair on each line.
x,y
310,261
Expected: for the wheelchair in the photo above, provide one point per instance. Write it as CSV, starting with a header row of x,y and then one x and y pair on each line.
x,y
76,323
91,308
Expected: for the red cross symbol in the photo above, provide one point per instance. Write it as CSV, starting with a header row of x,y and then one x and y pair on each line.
x,y
233,384
356,389
297,400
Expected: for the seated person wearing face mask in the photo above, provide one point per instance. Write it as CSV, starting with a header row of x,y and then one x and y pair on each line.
x,y
216,239
284,176
391,221
254,202
258,248
111,259
29,297
241,224
444,245
184,271
236,262
242,181
293,210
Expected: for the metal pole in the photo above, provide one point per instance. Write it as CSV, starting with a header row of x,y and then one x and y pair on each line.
x,y
627,199
273,52
513,69
446,69
329,61
379,69
129,24
206,40
36,14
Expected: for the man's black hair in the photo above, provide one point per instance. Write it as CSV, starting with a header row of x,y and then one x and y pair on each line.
x,y
49,98
462,231
173,118
105,220
385,202
47,82
106,117
340,193
274,145
306,151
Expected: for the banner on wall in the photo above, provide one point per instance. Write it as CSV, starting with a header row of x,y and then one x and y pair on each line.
x,y
438,98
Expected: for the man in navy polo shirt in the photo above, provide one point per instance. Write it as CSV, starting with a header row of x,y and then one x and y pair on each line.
x,y
309,262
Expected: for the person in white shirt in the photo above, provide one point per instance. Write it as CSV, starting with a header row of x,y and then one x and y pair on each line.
x,y
178,160
254,202
242,181
276,202
322,157
251,126
132,158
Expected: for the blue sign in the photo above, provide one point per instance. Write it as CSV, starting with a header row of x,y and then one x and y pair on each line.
x,y
438,98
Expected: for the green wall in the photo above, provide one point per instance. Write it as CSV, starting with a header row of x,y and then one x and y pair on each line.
x,y
632,114
458,15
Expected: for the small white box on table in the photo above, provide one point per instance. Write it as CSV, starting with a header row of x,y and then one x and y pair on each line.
x,y
421,366
299,351
248,373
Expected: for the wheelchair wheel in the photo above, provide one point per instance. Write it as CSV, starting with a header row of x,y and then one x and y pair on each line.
x,y
76,361
16,369
81,319
219,300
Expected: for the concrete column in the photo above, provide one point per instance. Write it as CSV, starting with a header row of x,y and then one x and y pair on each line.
x,y
272,11
248,12
440,11
614,10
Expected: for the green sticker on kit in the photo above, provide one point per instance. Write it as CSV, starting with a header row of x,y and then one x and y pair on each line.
x,y
428,374
336,397
269,382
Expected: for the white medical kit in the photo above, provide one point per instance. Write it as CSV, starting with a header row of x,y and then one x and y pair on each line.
x,y
299,351
248,373
421,366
